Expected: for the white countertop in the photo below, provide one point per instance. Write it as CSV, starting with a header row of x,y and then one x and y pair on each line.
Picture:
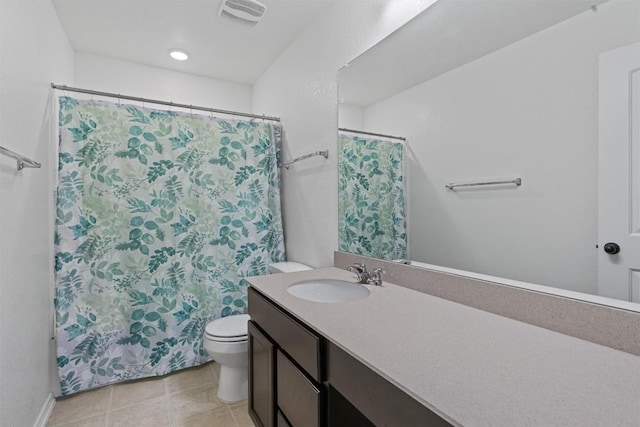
x,y
471,367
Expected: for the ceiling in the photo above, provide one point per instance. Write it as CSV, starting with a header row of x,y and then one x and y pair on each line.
x,y
143,30
448,34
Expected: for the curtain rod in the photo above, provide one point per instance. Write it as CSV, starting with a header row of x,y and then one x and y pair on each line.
x,y
372,134
155,101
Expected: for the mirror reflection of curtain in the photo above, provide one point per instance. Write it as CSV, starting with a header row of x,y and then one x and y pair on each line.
x,y
371,197
159,217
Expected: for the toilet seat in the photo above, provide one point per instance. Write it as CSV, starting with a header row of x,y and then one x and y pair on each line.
x,y
228,329
222,339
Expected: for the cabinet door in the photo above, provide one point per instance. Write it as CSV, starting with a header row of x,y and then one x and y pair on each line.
x,y
262,390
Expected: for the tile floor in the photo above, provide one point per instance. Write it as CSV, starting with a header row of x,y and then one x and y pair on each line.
x,y
185,398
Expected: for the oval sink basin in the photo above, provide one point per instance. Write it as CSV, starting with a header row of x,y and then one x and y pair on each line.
x,y
328,290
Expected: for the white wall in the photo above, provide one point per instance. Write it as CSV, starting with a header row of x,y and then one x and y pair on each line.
x,y
351,117
34,51
528,110
113,75
301,88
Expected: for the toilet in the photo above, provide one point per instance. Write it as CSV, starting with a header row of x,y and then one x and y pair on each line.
x,y
226,341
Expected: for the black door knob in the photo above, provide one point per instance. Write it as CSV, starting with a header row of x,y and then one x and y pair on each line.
x,y
611,248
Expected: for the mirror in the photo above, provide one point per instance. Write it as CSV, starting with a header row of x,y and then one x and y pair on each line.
x,y
493,90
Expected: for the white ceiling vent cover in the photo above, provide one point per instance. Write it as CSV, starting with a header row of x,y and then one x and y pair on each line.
x,y
247,12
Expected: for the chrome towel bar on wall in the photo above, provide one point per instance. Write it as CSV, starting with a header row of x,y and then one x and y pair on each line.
x,y
23,162
517,182
323,153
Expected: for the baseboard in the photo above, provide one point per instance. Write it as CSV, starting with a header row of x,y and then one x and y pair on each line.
x,y
45,412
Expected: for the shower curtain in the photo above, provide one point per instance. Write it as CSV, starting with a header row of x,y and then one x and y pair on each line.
x,y
159,217
371,205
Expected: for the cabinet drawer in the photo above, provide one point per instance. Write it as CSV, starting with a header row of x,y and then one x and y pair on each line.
x,y
282,421
298,398
296,340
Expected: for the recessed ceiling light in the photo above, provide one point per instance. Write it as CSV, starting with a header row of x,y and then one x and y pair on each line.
x,y
179,54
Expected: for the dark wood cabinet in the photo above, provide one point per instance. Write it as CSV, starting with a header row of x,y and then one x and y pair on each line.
x,y
262,391
298,397
297,378
285,368
282,421
301,344
343,413
372,396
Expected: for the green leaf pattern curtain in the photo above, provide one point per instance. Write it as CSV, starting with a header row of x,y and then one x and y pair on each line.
x,y
371,206
159,217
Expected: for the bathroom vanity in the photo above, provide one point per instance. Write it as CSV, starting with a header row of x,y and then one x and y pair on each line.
x,y
298,377
402,357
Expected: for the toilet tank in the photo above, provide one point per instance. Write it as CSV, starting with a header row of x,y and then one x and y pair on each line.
x,y
287,267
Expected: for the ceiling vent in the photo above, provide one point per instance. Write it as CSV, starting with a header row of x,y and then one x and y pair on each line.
x,y
247,12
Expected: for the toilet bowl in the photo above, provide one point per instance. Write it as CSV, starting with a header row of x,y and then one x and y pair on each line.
x,y
226,341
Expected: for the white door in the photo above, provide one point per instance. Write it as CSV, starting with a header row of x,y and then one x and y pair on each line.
x,y
619,174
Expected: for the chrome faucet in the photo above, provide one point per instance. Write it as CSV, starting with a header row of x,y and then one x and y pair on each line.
x,y
366,278
375,278
361,272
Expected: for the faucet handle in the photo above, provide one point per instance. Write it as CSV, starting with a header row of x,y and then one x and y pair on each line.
x,y
378,270
360,268
376,276
361,271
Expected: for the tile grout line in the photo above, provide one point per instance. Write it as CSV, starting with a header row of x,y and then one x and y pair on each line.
x,y
165,383
108,414
233,417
